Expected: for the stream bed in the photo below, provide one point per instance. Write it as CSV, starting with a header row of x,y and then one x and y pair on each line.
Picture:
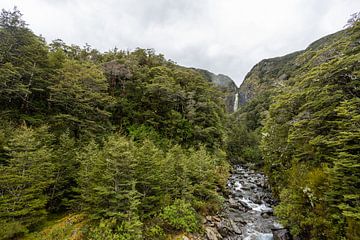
x,y
248,213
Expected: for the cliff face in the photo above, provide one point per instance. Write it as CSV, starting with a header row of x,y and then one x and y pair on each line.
x,y
267,74
271,73
225,84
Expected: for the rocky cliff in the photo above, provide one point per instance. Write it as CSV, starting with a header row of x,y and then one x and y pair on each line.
x,y
303,109
227,85
273,72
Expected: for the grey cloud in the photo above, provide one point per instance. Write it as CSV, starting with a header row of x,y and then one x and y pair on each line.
x,y
223,36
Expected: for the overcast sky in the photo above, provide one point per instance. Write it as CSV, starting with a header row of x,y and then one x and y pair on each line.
x,y
223,36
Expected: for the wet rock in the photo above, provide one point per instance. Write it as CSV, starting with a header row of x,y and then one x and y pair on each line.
x,y
235,228
216,218
211,224
256,199
265,215
224,228
244,205
211,219
212,234
239,220
281,234
232,201
270,212
235,206
236,194
247,213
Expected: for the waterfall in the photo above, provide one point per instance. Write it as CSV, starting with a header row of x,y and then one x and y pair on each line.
x,y
236,102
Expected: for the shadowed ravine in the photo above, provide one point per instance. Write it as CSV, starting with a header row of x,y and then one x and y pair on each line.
x,y
248,212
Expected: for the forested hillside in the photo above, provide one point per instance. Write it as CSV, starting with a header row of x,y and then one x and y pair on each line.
x,y
301,119
129,143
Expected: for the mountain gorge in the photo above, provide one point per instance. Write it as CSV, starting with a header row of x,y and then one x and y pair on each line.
x,y
302,110
130,145
226,85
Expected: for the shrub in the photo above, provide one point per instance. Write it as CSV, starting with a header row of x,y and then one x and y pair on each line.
x,y
181,216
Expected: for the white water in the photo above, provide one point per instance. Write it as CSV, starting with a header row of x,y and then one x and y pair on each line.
x,y
247,190
236,102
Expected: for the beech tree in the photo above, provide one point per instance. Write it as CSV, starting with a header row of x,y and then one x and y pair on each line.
x,y
23,65
24,180
79,99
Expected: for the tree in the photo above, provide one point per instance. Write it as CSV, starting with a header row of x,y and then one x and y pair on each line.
x,y
11,19
79,99
24,180
61,193
106,177
311,147
355,18
23,66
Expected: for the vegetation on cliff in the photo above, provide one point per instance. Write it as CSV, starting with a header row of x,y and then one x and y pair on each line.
x,y
129,145
304,111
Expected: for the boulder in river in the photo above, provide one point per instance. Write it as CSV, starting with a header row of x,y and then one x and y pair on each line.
x,y
281,234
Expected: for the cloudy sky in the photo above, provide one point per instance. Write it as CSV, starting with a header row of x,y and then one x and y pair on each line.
x,y
223,36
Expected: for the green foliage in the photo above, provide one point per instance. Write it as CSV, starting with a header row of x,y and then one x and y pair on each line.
x,y
62,108
61,192
243,144
25,177
176,102
110,229
11,229
80,99
181,216
106,176
68,227
130,182
24,75
311,143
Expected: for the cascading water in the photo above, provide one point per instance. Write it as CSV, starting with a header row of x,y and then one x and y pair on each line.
x,y
248,213
248,190
236,102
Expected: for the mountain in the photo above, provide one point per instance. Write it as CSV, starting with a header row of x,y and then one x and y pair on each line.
x,y
302,111
274,72
226,85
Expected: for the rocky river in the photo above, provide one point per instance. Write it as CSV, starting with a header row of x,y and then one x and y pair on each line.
x,y
248,213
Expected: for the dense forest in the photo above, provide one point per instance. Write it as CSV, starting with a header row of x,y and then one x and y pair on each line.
x,y
302,124
129,140
130,145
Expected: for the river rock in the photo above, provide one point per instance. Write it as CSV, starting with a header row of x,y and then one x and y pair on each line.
x,y
235,228
216,218
224,228
244,206
212,234
266,214
240,220
236,194
247,213
232,201
281,234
